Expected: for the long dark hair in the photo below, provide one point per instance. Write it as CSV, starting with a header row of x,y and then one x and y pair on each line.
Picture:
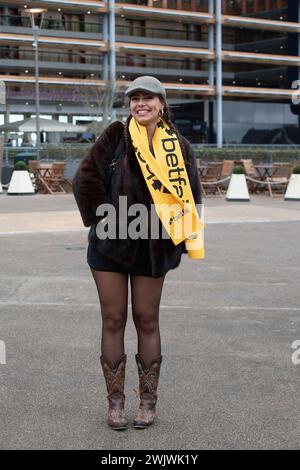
x,y
168,118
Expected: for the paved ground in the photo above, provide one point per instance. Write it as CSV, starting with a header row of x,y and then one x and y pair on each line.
x,y
227,326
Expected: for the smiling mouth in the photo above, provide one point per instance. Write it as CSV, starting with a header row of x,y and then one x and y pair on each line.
x,y
142,112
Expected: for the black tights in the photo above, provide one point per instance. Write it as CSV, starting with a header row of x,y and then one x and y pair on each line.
x,y
145,299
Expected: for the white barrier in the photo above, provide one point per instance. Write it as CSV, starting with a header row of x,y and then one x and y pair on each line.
x,y
237,188
293,189
20,183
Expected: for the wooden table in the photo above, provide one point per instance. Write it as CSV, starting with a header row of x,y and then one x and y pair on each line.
x,y
264,170
43,173
202,170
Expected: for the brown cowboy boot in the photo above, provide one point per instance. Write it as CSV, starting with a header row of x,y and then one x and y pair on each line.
x,y
148,383
115,378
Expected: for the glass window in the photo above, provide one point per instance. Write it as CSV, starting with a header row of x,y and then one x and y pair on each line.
x,y
157,3
172,4
201,5
186,4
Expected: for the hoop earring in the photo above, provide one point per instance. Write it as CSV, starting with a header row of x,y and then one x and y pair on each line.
x,y
161,113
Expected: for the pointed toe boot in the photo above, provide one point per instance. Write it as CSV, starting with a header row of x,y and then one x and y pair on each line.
x,y
148,383
115,378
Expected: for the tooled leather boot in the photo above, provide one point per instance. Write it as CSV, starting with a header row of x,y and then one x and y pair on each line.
x,y
148,383
115,378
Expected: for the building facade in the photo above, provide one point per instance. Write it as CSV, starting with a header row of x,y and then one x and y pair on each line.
x,y
228,66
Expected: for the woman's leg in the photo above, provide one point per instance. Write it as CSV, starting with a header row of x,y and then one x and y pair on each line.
x,y
145,298
146,295
113,295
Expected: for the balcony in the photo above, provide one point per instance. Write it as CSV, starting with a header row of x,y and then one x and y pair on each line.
x,y
14,59
77,5
66,28
164,36
56,41
62,27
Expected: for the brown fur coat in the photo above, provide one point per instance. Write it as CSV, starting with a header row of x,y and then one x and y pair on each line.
x,y
90,190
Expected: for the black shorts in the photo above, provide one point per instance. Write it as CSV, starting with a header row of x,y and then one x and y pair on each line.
x,y
140,267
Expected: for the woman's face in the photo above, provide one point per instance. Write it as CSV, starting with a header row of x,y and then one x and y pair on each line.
x,y
145,107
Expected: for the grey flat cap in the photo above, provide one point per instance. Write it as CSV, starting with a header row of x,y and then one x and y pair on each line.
x,y
146,83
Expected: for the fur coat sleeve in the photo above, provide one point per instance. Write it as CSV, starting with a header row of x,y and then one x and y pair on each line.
x,y
89,180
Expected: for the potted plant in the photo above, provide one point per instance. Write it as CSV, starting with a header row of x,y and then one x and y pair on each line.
x,y
237,188
20,182
293,188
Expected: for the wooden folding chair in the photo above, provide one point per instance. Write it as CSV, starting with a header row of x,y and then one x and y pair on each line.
x,y
249,167
294,164
210,181
252,174
51,179
279,178
67,185
33,173
226,170
201,167
43,174
56,179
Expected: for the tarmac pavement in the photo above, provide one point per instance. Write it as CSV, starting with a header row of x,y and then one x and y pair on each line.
x,y
228,323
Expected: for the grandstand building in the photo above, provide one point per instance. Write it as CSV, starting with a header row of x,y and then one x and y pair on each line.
x,y
228,66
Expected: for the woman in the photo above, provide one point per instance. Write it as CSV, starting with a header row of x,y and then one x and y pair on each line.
x,y
135,151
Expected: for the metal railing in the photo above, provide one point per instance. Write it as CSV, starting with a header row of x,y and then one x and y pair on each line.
x,y
136,31
7,52
132,60
76,151
163,33
52,23
48,152
198,5
123,30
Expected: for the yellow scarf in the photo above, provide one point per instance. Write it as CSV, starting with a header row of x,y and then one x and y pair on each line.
x,y
167,180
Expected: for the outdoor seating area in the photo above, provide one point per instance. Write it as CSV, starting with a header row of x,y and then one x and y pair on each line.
x,y
48,178
270,179
263,178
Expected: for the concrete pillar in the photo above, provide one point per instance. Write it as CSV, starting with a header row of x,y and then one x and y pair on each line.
x,y
219,73
211,80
